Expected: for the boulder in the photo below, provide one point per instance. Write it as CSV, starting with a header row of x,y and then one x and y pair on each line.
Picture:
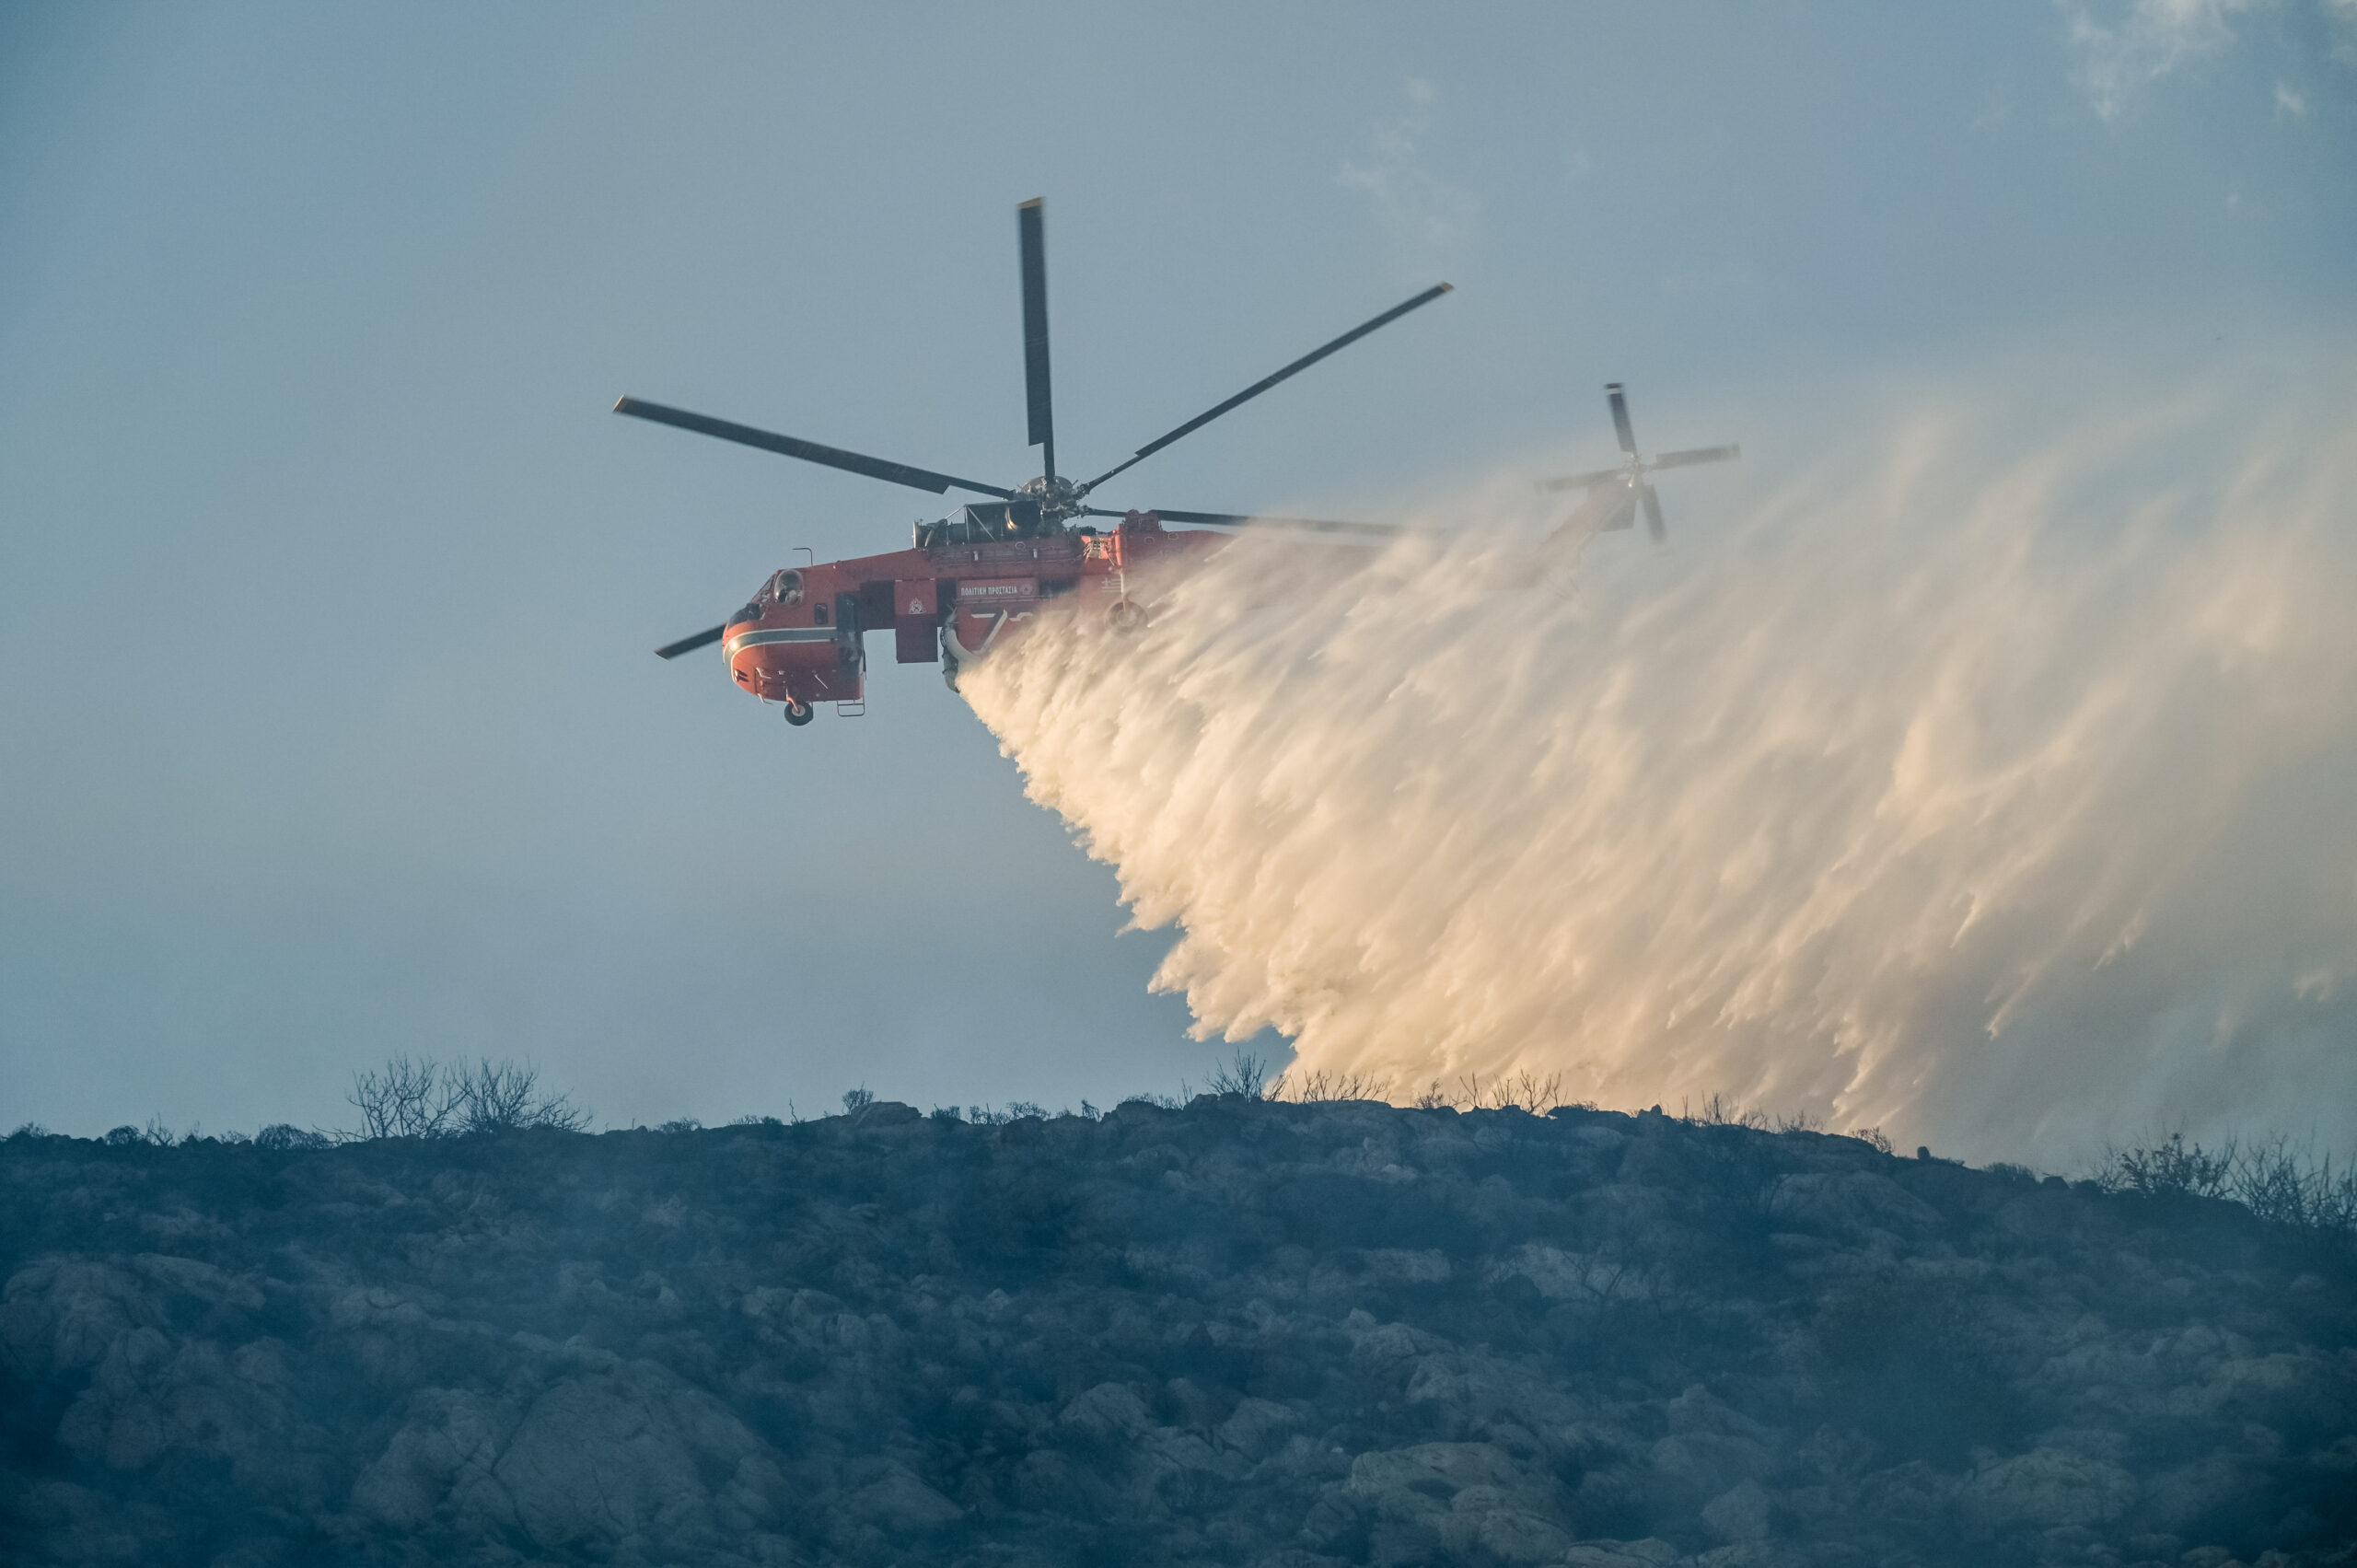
x,y
605,1454
1420,1480
444,1449
900,1505
1853,1204
1743,1512
1108,1412
1646,1553
2048,1488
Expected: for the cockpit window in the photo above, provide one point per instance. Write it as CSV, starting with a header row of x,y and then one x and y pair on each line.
x,y
786,587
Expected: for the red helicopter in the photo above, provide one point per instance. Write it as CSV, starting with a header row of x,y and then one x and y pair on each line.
x,y
973,578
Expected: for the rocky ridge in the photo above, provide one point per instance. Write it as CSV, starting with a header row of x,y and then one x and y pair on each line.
x,y
1239,1333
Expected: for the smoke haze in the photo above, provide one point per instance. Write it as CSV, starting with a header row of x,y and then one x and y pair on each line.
x,y
1992,788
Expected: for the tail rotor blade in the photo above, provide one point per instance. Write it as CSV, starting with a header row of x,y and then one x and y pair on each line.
x,y
1694,455
1031,228
1653,524
1620,402
689,645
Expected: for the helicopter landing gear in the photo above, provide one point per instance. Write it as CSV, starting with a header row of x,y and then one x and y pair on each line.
x,y
1127,617
798,714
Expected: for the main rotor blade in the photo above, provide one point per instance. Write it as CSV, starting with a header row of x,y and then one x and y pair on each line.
x,y
1653,524
1030,223
690,644
808,451
1694,455
1249,519
1584,481
1620,402
1254,391
1243,520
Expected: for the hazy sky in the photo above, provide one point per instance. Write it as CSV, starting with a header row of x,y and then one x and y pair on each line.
x,y
328,723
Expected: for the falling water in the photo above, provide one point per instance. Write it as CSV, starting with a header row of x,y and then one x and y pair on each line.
x,y
1998,791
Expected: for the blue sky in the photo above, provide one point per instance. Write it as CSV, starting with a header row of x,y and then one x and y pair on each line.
x,y
328,726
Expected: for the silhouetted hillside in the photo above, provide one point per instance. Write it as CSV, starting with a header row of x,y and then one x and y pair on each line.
x,y
1242,1332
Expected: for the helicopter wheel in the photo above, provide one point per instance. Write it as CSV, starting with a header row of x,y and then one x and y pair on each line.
x,y
1126,619
798,714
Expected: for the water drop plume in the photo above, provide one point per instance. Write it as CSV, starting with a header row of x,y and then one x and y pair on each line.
x,y
1999,789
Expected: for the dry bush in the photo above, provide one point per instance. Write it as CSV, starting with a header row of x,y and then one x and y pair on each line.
x,y
1246,1074
2288,1186
1524,1090
1325,1085
2282,1184
999,1116
421,1098
504,1097
2171,1168
1718,1112
403,1100
283,1136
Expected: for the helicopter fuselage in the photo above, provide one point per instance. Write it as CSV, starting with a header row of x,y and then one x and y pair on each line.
x,y
801,639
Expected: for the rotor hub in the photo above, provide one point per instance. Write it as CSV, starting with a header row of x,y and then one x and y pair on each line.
x,y
1059,497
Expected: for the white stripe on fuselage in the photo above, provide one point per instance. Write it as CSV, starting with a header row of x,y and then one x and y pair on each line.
x,y
744,640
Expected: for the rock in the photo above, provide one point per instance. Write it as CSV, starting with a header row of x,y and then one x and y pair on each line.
x,y
1574,1276
900,1505
1708,1461
65,1313
1741,1513
1256,1425
1110,1411
1753,1554
1049,1483
1373,1341
1392,1265
1646,1553
445,1450
2047,1488
1504,1531
1429,1466
1854,1204
884,1113
1420,1482
604,1455
1338,1523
